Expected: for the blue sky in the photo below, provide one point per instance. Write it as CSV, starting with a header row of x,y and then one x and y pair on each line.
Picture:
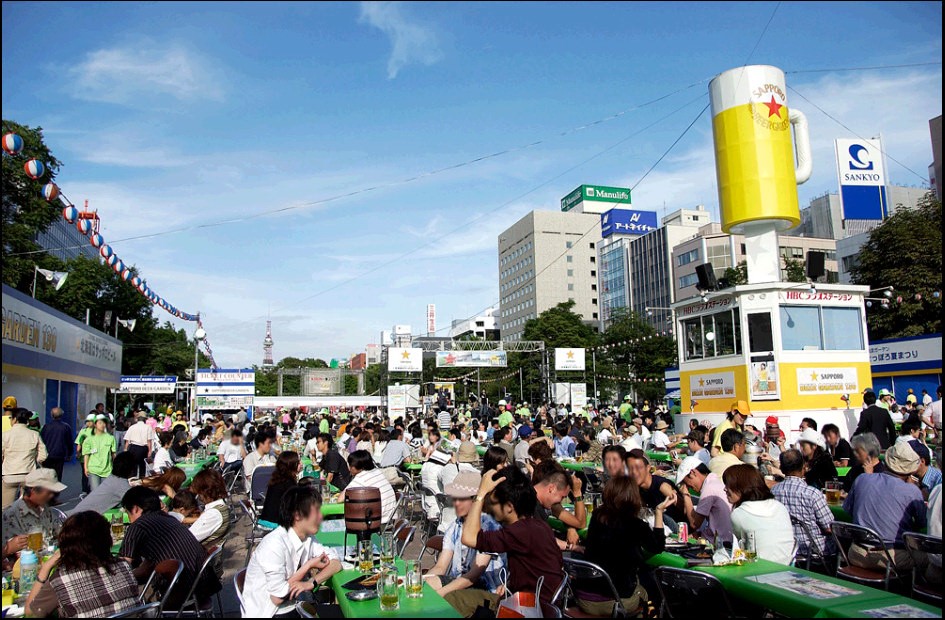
x,y
169,116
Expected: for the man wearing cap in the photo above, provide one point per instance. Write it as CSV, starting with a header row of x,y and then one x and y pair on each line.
x,y
9,405
80,437
632,440
659,440
928,476
737,415
626,409
57,436
23,451
30,512
458,567
875,419
889,504
713,514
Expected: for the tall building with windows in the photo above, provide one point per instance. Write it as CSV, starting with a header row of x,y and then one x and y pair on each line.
x,y
63,241
637,269
545,258
711,245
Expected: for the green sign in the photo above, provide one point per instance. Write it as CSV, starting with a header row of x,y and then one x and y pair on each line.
x,y
597,193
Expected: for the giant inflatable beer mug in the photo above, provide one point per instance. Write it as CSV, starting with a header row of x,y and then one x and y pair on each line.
x,y
755,158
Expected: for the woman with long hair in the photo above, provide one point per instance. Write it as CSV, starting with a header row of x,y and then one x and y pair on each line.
x,y
286,475
89,582
619,542
757,515
495,458
167,483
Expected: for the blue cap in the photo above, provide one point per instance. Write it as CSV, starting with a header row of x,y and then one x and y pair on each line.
x,y
921,449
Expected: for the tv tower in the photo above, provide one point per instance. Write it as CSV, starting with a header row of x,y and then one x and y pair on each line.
x,y
267,345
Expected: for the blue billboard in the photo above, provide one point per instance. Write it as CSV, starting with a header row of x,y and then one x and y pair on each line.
x,y
862,179
627,222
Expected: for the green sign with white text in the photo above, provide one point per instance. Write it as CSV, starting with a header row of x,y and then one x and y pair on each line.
x,y
597,193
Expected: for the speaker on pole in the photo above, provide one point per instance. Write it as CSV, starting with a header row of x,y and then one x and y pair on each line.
x,y
814,267
706,275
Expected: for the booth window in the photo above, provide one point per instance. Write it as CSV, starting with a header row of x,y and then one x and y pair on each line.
x,y
814,328
843,329
725,329
759,333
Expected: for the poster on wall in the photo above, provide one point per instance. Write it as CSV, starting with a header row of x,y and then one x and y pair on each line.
x,y
569,359
472,359
396,400
404,359
764,379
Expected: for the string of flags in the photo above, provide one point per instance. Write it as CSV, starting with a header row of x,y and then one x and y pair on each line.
x,y
87,223
614,345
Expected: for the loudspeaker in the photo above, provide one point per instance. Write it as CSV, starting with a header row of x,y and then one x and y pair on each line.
x,y
706,275
815,265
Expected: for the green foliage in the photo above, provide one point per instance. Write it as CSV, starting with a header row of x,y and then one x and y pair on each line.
x,y
636,349
560,327
794,270
735,276
905,252
267,382
350,384
25,212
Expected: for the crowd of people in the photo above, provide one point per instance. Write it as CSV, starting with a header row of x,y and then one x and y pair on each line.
x,y
490,481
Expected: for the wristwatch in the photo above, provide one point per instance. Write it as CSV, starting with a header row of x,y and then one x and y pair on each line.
x,y
478,498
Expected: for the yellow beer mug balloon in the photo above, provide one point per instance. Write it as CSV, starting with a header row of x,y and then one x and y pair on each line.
x,y
754,154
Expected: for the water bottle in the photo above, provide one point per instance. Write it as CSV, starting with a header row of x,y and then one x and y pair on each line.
x,y
29,566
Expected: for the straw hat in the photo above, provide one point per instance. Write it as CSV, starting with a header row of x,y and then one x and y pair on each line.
x,y
467,453
901,459
464,485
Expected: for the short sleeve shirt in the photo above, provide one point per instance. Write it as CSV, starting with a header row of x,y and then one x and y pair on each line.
x,y
463,557
230,453
100,449
713,505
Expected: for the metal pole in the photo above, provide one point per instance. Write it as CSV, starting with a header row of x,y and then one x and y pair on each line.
x,y
35,271
478,387
193,410
594,370
521,385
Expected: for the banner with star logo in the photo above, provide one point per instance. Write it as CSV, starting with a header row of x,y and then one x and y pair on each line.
x,y
404,360
471,359
712,385
569,359
827,381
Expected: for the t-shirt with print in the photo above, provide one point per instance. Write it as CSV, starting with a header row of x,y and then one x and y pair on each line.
x,y
464,557
531,552
100,449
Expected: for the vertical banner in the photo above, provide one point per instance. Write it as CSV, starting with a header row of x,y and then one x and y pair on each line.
x,y
862,179
569,359
579,395
396,400
431,319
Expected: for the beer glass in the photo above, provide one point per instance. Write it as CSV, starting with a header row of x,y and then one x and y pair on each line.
x,y
365,556
34,540
387,551
414,583
388,591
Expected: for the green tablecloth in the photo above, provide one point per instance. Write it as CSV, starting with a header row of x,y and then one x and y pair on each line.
x,y
575,466
480,450
660,456
430,605
558,526
843,471
839,514
192,469
413,467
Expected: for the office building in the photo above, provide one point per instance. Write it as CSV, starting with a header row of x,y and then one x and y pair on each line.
x,y
65,242
823,217
637,269
721,250
483,326
546,258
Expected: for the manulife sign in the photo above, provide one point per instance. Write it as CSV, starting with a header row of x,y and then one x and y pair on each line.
x,y
609,197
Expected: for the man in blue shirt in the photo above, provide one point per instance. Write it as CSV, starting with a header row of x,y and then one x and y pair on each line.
x,y
889,504
564,443
929,476
58,437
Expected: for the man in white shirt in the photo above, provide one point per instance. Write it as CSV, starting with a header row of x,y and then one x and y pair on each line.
x,y
140,440
231,453
933,412
280,566
632,440
606,435
260,457
659,440
430,482
365,474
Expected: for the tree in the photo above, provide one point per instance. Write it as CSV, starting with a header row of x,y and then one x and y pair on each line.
x,y
794,270
25,212
636,350
905,252
735,276
557,327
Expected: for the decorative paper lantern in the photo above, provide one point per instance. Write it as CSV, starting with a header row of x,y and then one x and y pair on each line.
x,y
112,260
126,274
12,144
97,240
50,192
105,250
70,214
118,266
155,300
34,168
84,226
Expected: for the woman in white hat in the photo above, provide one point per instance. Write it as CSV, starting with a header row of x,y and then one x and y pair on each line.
x,y
820,467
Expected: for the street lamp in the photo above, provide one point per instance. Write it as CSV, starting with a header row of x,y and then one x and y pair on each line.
x,y
199,335
58,278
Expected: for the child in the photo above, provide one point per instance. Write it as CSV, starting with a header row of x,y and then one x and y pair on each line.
x,y
184,507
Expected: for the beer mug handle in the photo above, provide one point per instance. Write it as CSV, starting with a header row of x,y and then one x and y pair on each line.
x,y
805,163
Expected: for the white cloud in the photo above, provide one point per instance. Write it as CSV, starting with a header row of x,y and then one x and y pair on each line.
x,y
144,74
411,42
